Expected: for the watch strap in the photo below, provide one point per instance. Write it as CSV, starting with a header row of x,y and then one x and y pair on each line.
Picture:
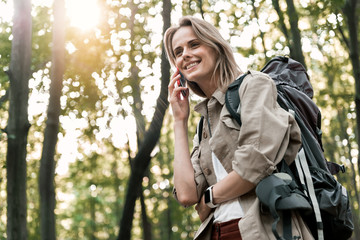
x,y
209,200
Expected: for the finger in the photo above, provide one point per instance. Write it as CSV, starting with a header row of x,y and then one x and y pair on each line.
x,y
177,72
186,92
176,90
174,78
171,85
172,88
182,90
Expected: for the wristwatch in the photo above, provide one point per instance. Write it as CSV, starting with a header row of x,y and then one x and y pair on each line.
x,y
209,198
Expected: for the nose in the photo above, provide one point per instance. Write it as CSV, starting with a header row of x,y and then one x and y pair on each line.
x,y
186,53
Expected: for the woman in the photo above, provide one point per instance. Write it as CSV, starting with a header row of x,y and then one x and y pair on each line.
x,y
223,169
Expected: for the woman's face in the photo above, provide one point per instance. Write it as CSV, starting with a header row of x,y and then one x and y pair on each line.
x,y
193,58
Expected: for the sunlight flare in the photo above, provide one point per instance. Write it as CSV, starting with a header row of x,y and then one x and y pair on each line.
x,y
83,14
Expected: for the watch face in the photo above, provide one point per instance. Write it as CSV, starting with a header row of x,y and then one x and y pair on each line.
x,y
207,196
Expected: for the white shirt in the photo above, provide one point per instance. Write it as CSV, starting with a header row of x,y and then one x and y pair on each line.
x,y
229,210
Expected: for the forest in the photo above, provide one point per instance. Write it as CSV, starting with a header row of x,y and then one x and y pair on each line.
x,y
86,140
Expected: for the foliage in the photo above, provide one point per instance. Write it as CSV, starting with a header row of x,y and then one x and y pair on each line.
x,y
5,51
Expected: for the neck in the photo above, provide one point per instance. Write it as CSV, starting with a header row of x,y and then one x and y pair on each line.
x,y
209,88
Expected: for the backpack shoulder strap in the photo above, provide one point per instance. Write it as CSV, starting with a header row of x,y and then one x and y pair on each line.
x,y
199,128
232,98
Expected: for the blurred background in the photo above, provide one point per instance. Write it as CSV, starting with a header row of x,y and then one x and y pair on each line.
x,y
86,141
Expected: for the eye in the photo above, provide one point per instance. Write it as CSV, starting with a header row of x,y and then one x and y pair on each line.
x,y
177,52
195,44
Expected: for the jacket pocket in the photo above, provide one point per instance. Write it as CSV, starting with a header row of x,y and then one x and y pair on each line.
x,y
230,123
230,129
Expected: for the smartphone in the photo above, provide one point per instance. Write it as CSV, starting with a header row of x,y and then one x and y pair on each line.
x,y
182,83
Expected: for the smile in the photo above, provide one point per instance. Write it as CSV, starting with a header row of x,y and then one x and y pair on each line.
x,y
192,65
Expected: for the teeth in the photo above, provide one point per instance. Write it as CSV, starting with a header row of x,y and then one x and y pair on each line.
x,y
191,65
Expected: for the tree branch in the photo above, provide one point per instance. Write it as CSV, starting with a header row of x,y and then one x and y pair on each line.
x,y
262,35
4,98
344,38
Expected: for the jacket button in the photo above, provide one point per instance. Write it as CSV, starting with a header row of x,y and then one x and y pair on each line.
x,y
207,171
204,135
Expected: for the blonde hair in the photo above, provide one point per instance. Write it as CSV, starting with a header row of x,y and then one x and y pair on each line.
x,y
226,68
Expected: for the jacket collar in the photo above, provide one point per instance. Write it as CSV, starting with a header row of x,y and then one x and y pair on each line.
x,y
218,96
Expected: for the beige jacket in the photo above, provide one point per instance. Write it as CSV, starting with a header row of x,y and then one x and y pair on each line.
x,y
268,134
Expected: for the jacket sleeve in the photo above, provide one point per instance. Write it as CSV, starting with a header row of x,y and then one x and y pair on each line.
x,y
266,131
201,183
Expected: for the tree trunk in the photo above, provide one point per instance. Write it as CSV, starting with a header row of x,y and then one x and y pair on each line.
x,y
200,4
169,222
47,162
92,210
293,39
281,22
145,222
142,158
350,10
262,35
296,53
140,119
135,81
117,183
18,124
342,120
350,13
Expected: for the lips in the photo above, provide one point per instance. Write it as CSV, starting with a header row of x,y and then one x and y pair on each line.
x,y
193,64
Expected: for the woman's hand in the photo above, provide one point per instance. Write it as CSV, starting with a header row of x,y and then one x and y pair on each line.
x,y
202,209
179,103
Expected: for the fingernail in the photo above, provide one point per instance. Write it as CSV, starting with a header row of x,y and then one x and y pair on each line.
x,y
178,82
